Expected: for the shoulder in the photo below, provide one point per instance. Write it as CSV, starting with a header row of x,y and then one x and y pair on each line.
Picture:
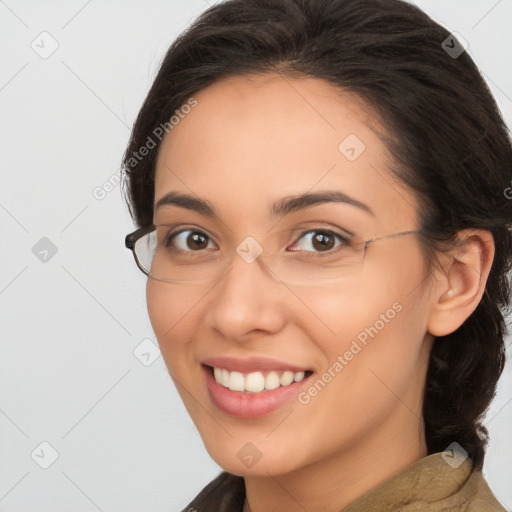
x,y
226,493
480,497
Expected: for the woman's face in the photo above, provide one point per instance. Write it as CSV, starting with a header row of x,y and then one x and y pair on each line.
x,y
362,339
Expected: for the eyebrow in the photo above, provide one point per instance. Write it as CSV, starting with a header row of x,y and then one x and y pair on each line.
x,y
296,203
280,208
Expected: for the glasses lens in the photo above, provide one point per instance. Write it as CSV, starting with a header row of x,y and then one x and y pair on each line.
x,y
164,262
145,250
317,266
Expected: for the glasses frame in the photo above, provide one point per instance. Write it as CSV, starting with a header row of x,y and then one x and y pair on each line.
x,y
131,239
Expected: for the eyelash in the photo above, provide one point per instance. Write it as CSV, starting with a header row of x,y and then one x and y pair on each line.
x,y
342,238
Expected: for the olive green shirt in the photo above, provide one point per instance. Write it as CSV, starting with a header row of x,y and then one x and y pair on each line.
x,y
428,485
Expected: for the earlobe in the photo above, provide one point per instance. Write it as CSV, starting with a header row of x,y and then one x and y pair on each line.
x,y
460,288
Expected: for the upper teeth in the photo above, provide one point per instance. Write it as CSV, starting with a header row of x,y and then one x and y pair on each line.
x,y
255,382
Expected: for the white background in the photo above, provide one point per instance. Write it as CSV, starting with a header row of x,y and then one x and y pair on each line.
x,y
69,326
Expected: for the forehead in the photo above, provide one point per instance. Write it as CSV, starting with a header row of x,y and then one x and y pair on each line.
x,y
251,140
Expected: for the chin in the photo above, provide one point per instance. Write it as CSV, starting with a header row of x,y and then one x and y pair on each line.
x,y
243,457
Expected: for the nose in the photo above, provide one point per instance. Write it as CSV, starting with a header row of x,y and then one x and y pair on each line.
x,y
247,301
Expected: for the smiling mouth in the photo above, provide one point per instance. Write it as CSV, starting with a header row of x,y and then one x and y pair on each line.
x,y
256,382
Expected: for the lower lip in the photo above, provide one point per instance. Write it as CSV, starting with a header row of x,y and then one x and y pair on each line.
x,y
250,405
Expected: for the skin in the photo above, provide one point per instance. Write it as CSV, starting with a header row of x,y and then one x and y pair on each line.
x,y
251,141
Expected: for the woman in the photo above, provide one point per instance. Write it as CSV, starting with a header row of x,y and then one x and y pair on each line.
x,y
319,187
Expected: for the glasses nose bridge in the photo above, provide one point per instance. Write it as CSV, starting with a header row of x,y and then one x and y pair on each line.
x,y
251,252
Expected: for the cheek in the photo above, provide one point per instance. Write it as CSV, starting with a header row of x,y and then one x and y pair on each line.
x,y
348,310
171,312
376,322
160,306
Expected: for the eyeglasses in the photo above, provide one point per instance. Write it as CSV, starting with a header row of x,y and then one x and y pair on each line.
x,y
185,255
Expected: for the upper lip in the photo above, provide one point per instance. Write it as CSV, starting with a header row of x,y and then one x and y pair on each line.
x,y
252,364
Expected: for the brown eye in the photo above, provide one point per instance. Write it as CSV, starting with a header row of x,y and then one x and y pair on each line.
x,y
197,241
188,240
323,241
320,240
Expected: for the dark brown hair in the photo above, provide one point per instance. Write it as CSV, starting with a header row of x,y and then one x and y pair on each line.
x,y
442,125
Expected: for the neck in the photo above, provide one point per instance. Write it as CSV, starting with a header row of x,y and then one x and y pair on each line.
x,y
333,483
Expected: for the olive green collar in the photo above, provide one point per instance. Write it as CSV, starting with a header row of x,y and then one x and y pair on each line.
x,y
431,484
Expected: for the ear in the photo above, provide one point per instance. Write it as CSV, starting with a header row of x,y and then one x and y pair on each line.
x,y
461,286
